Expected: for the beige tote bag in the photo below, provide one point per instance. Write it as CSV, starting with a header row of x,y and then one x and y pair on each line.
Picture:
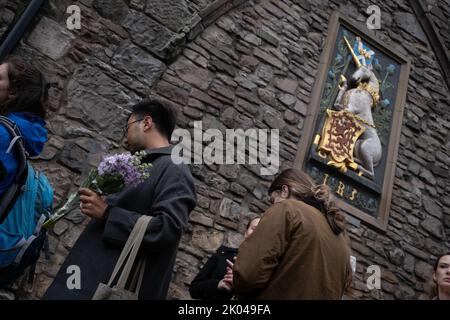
x,y
127,259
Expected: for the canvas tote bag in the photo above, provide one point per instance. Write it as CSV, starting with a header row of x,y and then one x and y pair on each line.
x,y
127,260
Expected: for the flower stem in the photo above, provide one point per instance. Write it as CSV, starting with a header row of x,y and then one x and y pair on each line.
x,y
61,212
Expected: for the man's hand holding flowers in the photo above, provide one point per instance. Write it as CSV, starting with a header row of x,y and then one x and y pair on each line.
x,y
92,204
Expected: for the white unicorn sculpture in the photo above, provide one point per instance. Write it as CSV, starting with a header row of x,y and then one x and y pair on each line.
x,y
359,100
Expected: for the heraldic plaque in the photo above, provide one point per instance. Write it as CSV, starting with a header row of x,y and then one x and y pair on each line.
x,y
352,130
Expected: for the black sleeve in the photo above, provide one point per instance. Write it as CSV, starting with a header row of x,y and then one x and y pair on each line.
x,y
203,287
173,201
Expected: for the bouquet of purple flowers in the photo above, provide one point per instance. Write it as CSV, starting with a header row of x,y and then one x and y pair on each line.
x,y
112,175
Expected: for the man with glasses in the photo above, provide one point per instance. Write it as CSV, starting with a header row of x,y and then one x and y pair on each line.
x,y
168,195
125,130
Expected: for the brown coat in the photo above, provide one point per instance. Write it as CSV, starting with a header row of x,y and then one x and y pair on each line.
x,y
292,254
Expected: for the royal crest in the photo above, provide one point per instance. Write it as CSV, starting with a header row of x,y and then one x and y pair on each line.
x,y
339,135
352,131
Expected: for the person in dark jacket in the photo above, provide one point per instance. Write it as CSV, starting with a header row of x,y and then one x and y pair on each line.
x,y
211,283
168,195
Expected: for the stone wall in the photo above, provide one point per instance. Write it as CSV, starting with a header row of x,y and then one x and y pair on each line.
x,y
440,13
237,64
7,10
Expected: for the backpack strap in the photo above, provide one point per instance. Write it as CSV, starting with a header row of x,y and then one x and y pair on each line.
x,y
12,143
30,240
9,197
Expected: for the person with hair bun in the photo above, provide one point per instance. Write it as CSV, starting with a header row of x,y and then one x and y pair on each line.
x,y
299,250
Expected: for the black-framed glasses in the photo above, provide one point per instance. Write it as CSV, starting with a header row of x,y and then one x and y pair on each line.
x,y
125,130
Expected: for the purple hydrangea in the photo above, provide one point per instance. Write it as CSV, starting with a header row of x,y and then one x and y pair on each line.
x,y
130,168
123,164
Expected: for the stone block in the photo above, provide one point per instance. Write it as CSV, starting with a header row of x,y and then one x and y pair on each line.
x,y
191,73
434,227
138,63
51,38
148,33
115,10
173,14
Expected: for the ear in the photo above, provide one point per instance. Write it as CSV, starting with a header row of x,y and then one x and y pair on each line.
x,y
148,123
284,191
434,276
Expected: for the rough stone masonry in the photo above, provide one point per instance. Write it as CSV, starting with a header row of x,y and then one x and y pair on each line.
x,y
238,64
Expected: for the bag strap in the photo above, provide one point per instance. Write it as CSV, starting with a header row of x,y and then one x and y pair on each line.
x,y
30,240
129,252
126,272
124,254
12,193
138,276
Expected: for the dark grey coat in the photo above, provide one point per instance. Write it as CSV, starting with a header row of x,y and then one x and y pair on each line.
x,y
168,195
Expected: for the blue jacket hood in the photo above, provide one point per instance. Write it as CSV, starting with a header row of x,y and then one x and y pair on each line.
x,y
33,131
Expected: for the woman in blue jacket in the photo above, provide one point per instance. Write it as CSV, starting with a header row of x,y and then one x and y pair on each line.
x,y
23,99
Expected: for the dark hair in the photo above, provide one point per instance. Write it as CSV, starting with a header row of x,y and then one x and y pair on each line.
x,y
163,114
436,263
29,87
303,188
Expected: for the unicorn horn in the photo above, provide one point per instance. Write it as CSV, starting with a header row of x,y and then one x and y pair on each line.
x,y
355,58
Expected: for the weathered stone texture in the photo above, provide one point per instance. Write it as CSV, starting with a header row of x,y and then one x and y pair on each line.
x,y
251,67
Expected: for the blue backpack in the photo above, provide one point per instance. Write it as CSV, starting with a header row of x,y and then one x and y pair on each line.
x,y
24,207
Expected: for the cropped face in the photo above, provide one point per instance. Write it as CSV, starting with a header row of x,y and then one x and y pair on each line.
x,y
279,195
251,227
133,134
4,83
442,274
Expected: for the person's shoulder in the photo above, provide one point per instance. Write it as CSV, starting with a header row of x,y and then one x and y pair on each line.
x,y
278,210
299,207
180,169
3,130
289,209
293,203
288,205
24,120
176,175
5,138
